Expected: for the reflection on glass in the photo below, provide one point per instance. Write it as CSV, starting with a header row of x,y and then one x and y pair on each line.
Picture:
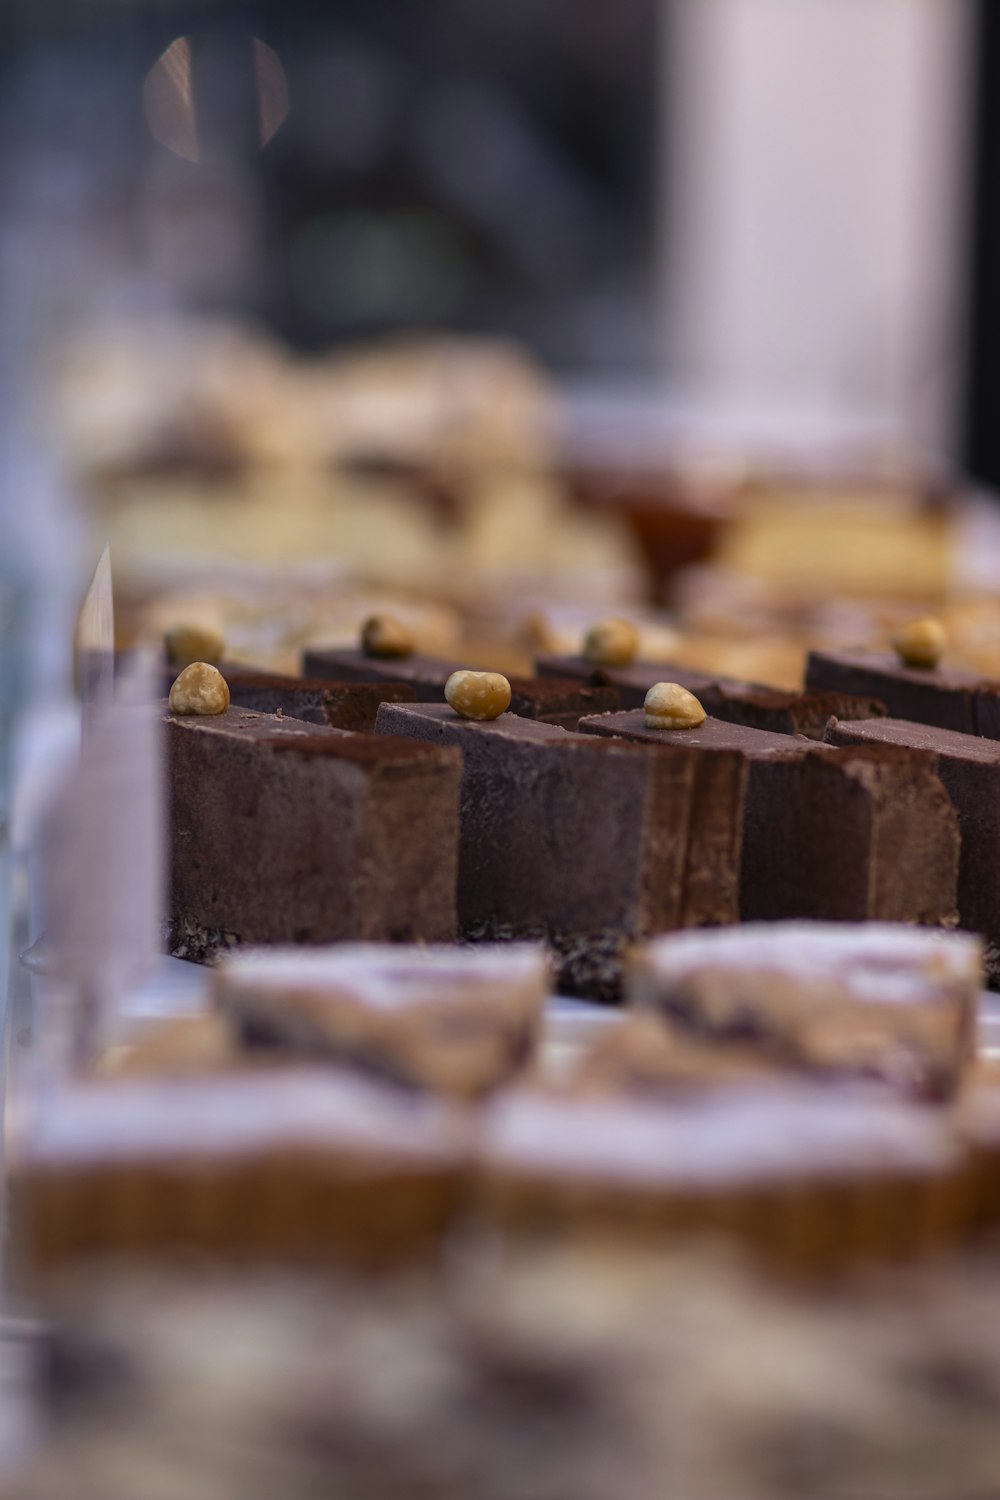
x,y
176,97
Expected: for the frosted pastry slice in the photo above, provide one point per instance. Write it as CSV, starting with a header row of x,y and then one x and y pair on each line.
x,y
290,1163
893,1002
807,1175
459,1020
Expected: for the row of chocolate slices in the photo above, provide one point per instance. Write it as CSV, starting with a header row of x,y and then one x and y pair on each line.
x,y
588,807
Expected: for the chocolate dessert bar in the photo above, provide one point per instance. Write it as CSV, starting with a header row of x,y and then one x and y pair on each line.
x,y
455,1020
552,701
275,1165
890,1002
969,767
634,681
836,835
282,832
786,713
945,696
342,705
585,849
426,675
809,1176
726,698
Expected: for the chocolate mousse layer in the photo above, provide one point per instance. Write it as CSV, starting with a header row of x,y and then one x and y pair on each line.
x,y
969,767
584,844
945,696
551,700
846,836
342,705
285,832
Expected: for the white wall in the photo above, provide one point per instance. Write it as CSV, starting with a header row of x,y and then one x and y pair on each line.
x,y
814,245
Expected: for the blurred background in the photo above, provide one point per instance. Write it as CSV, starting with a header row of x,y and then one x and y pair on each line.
x,y
518,308
759,204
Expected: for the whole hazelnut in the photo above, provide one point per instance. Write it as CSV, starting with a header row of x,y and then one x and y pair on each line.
x,y
921,643
385,636
670,706
200,689
611,643
478,695
188,643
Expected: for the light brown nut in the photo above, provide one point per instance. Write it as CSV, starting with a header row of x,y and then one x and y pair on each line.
x,y
611,643
188,643
385,636
478,695
200,689
669,706
921,643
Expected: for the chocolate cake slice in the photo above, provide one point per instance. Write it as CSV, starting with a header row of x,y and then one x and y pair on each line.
x,y
426,675
634,681
342,705
583,844
549,699
943,696
834,835
786,713
727,698
969,767
283,832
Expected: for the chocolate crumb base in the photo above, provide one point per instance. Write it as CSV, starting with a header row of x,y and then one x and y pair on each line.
x,y
589,965
183,938
991,964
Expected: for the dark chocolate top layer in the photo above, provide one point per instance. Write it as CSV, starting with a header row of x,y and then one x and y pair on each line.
x,y
713,734
246,723
635,680
284,734
426,674
970,747
946,696
889,663
507,725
